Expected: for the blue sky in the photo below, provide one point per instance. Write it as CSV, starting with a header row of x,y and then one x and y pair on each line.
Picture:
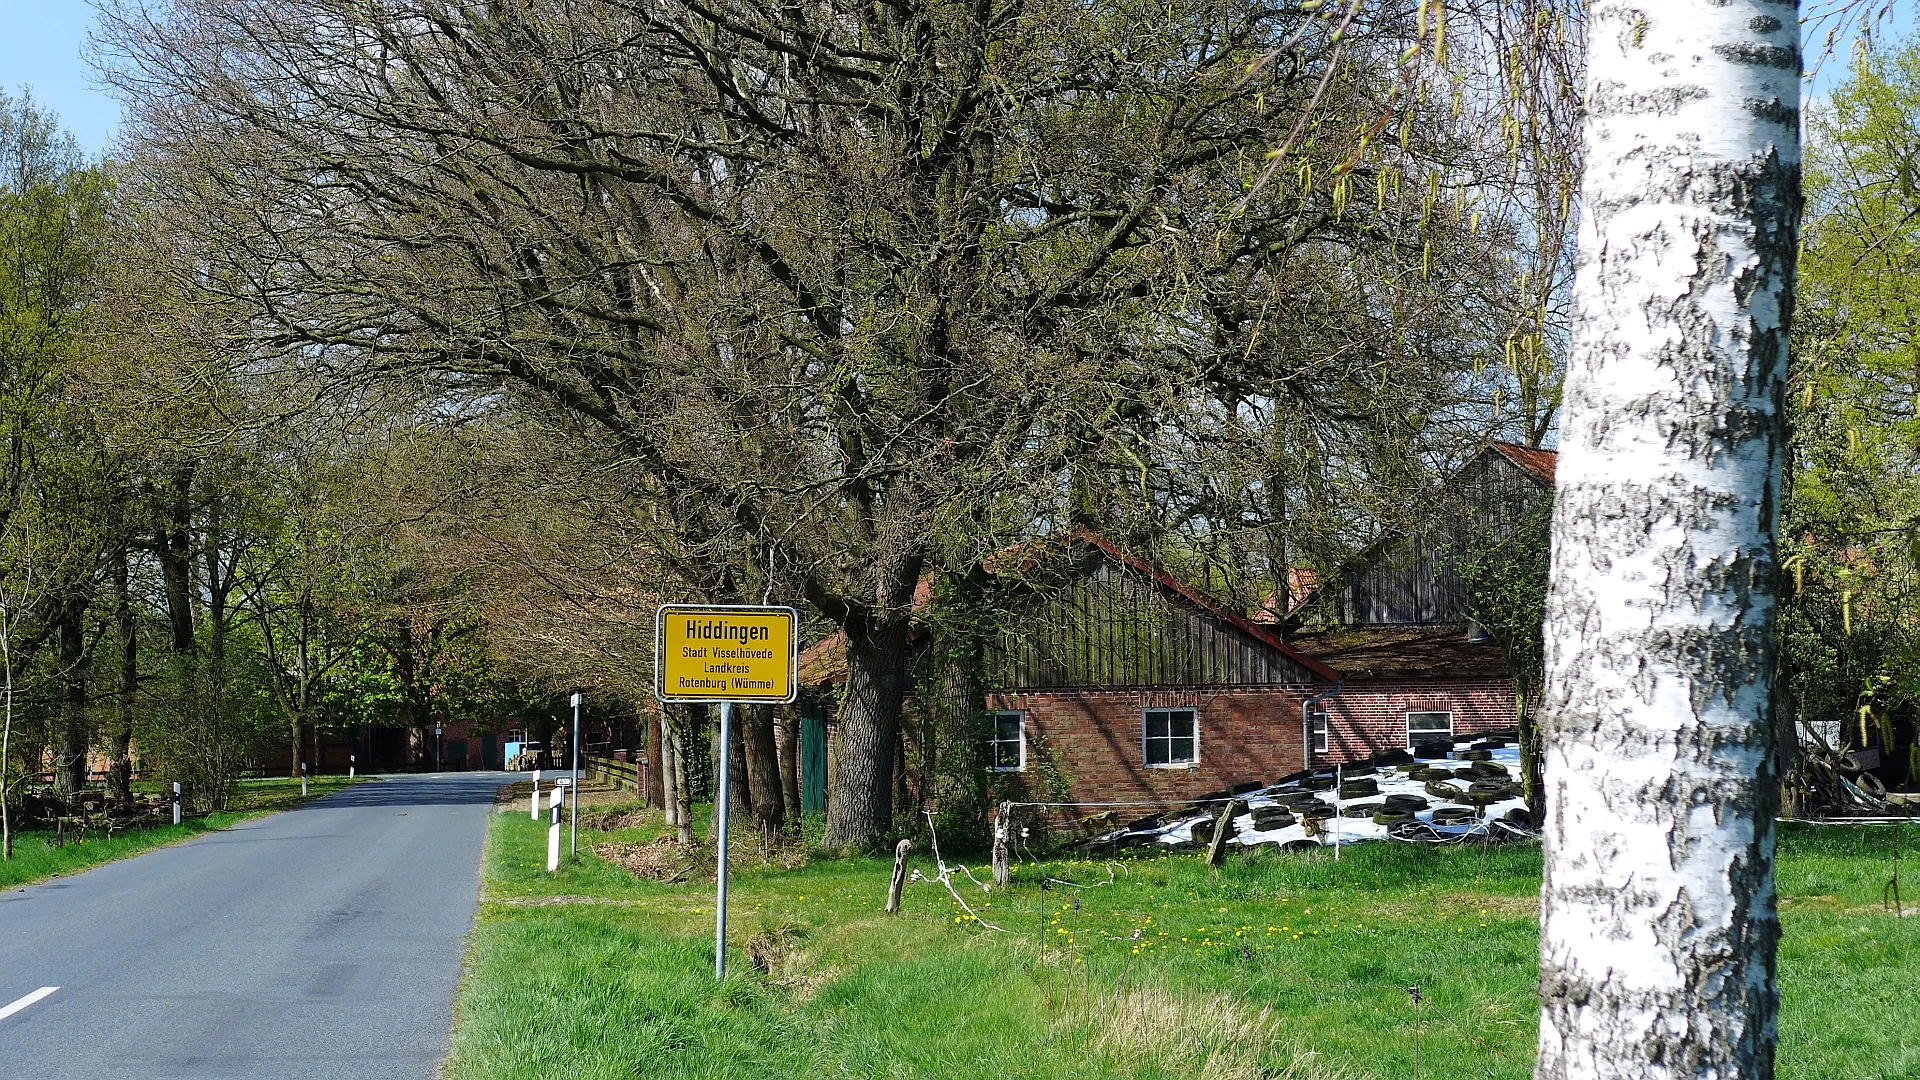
x,y
40,42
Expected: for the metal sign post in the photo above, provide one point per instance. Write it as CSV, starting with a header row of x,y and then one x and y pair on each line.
x,y
720,654
720,845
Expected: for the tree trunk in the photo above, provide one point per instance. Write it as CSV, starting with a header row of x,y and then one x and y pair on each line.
x,y
739,791
763,765
1658,915
790,762
174,550
669,779
656,775
121,782
683,793
70,772
860,802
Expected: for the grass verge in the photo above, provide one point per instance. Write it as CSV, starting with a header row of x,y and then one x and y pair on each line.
x,y
1276,966
37,856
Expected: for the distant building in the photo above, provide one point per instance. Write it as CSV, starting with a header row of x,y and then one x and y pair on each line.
x,y
1121,684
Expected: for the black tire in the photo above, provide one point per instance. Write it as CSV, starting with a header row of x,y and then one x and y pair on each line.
x,y
1268,824
1203,831
1454,815
1360,809
1319,783
1488,769
1490,787
1433,750
1406,804
1473,755
1359,789
1872,785
1442,790
1391,819
1300,845
1484,798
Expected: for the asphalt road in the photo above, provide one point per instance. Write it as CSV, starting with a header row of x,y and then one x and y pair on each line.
x,y
321,942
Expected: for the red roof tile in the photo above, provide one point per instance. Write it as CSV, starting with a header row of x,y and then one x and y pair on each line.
x,y
1533,459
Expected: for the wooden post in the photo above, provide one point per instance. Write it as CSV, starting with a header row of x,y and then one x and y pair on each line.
x,y
1002,874
899,875
1223,828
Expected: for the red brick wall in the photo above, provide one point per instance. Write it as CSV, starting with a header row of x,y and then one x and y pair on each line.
x,y
1367,718
1093,737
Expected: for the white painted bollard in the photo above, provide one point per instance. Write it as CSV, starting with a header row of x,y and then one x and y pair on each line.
x,y
349,766
533,807
553,841
176,802
303,779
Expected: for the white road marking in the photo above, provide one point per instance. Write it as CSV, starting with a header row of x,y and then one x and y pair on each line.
x,y
26,1001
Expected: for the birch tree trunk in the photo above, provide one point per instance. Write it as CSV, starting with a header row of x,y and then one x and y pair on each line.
x,y
1658,916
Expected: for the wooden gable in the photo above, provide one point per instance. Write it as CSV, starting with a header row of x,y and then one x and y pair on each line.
x,y
1410,579
1106,621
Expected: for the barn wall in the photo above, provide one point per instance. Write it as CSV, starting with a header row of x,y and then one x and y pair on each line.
x,y
1366,718
1411,580
1092,737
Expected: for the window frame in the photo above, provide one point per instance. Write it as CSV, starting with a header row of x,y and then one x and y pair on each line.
x,y
1427,736
1319,727
995,742
1146,738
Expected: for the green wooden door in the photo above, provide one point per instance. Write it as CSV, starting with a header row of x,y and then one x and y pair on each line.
x,y
813,760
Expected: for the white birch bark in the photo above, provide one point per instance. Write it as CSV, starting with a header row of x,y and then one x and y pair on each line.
x,y
1658,917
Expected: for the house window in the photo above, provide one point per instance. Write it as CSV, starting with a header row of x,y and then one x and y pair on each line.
x,y
1428,726
1007,750
1171,738
1317,727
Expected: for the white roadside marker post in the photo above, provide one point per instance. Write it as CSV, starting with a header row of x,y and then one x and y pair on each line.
x,y
176,802
720,846
303,779
557,794
1339,810
573,821
350,760
533,807
553,838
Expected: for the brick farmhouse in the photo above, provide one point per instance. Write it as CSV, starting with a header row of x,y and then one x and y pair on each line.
x,y
1122,685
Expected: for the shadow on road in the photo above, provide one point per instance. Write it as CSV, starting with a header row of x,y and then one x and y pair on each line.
x,y
443,789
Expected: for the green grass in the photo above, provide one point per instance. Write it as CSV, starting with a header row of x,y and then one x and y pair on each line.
x,y
37,856
1275,963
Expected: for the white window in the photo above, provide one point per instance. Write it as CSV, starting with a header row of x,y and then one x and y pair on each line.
x,y
1171,738
1007,747
1317,726
1428,726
